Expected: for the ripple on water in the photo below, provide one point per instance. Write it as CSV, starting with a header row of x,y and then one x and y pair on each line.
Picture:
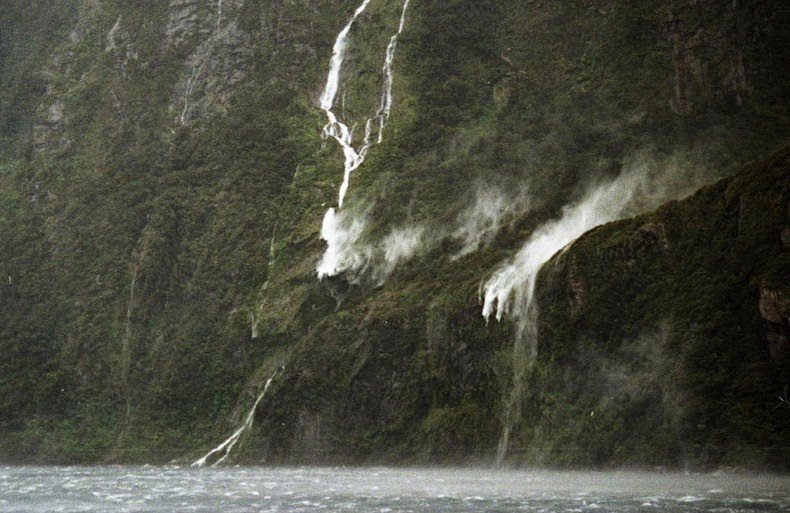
x,y
156,490
690,498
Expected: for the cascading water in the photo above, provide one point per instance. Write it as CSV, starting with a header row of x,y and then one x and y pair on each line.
x,y
335,128
510,290
383,114
219,13
341,235
226,447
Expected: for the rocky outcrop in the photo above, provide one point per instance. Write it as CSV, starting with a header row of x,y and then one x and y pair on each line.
x,y
219,61
696,77
183,22
650,237
119,43
774,308
211,73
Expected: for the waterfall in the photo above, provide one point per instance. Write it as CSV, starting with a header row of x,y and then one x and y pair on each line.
x,y
510,291
383,114
126,352
190,85
226,447
254,315
219,14
139,253
341,235
335,128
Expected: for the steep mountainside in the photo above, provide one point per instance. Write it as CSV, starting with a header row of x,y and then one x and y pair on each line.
x,y
324,225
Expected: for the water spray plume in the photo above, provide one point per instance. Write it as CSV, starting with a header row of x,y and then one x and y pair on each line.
x,y
341,253
340,235
511,289
646,183
492,209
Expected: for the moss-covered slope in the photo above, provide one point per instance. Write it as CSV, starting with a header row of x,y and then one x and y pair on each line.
x,y
664,338
162,184
663,341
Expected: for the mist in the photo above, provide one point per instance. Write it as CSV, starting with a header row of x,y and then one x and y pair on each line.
x,y
348,251
353,252
646,182
343,254
493,208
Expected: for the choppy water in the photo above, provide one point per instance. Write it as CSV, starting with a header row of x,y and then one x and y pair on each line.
x,y
380,490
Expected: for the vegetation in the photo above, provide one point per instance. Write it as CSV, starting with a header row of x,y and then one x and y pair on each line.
x,y
163,181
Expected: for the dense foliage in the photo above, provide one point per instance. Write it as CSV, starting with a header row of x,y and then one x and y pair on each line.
x,y
163,180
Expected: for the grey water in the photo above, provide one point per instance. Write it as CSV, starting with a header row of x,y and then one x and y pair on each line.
x,y
380,490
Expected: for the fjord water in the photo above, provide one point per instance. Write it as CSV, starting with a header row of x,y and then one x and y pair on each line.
x,y
252,489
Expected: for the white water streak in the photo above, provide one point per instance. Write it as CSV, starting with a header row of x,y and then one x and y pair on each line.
x,y
342,235
336,62
510,290
190,85
335,128
386,96
198,70
225,447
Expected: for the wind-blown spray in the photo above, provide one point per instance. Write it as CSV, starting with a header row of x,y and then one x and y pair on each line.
x,y
478,224
647,181
510,290
340,234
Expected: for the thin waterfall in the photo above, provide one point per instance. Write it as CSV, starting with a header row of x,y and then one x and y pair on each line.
x,y
334,127
510,291
197,70
219,14
383,114
224,449
341,254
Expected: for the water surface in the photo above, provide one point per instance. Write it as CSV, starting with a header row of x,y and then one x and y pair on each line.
x,y
380,490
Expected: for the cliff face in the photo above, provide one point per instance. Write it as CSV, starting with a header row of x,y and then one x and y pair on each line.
x,y
678,335
164,175
659,344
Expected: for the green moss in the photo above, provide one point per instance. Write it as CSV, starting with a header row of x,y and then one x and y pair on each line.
x,y
155,266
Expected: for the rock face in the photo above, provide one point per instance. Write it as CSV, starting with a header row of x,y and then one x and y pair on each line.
x,y
693,75
183,21
203,40
775,311
163,180
661,291
218,63
640,321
